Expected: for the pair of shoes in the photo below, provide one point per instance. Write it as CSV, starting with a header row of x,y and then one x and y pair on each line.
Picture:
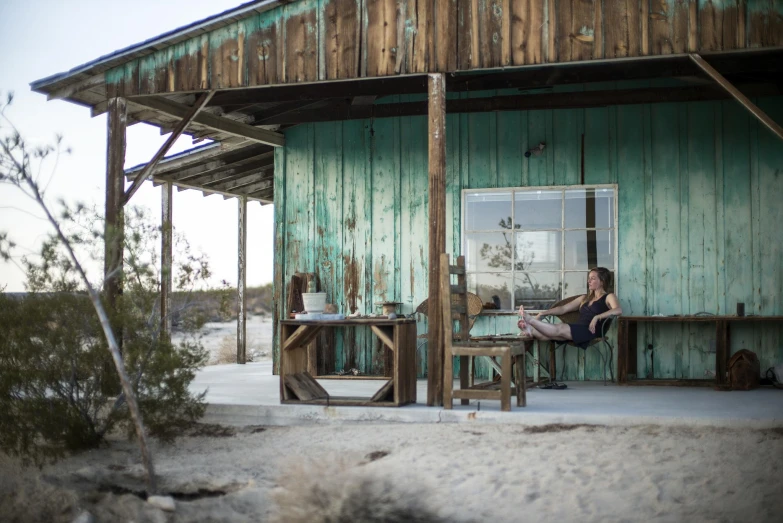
x,y
553,385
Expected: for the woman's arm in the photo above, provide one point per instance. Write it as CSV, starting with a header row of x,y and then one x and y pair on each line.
x,y
614,310
568,307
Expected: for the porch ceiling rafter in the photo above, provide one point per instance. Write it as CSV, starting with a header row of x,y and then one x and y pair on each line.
x,y
737,95
218,123
190,114
345,110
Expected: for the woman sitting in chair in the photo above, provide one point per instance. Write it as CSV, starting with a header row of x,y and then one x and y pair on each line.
x,y
594,307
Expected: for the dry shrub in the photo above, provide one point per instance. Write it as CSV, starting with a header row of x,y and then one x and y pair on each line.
x,y
332,491
227,351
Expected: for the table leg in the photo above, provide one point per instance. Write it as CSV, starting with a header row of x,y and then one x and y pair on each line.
x,y
622,351
721,352
464,376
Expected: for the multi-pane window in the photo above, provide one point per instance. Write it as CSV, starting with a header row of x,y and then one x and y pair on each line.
x,y
534,246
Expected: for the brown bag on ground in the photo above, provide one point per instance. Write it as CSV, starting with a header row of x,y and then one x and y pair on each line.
x,y
744,370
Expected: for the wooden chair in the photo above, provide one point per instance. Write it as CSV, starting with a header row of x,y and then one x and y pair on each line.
x,y
455,308
572,317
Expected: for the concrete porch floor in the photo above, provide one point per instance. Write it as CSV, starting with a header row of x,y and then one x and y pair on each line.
x,y
249,395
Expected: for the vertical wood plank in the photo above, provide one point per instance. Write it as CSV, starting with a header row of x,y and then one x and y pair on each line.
x,y
465,51
490,33
328,183
564,24
446,49
598,30
765,23
665,231
279,271
301,43
731,24
264,55
693,25
242,281
683,361
381,37
701,216
527,21
356,226
551,32
423,37
770,159
385,201
582,33
621,28
669,27
644,24
437,238
343,25
710,26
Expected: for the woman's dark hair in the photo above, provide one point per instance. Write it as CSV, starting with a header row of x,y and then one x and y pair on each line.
x,y
606,279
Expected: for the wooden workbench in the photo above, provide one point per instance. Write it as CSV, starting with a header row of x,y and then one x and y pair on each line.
x,y
298,385
627,349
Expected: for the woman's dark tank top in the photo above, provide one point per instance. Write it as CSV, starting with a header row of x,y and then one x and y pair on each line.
x,y
588,312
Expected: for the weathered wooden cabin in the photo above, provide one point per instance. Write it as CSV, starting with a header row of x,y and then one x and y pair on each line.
x,y
576,133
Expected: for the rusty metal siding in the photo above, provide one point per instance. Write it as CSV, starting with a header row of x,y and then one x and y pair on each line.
x,y
312,40
699,191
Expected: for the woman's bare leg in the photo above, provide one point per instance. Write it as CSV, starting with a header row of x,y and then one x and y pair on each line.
x,y
551,331
534,333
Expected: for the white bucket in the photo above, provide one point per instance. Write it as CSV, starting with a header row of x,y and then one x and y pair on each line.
x,y
314,301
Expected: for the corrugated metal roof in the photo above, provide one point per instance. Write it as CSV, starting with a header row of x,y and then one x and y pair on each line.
x,y
149,46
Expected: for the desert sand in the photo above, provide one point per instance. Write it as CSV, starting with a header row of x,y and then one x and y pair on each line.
x,y
445,472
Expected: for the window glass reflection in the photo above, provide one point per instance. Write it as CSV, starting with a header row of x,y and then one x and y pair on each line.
x,y
487,211
538,209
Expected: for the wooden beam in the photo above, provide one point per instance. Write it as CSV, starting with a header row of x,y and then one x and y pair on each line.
x,y
526,102
250,189
741,98
237,182
217,123
283,108
166,257
209,191
182,169
241,283
436,109
224,173
187,118
317,91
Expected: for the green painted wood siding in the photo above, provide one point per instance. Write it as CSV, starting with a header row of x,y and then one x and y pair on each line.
x,y
700,216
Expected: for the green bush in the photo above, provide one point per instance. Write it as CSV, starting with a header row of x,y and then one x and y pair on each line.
x,y
54,360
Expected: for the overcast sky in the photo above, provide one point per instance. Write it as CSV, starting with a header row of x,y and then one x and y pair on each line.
x,y
40,38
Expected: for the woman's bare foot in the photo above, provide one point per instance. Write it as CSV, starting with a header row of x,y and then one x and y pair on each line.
x,y
523,322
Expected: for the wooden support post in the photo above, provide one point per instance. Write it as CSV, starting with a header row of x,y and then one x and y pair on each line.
x,y
437,235
166,259
241,282
113,240
741,98
114,225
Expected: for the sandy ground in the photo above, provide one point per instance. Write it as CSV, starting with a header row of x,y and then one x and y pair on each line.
x,y
442,472
221,339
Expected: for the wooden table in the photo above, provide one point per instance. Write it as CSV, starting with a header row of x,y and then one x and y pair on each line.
x,y
297,384
627,345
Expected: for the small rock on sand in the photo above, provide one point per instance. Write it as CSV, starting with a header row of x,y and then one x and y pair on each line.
x,y
84,517
162,502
